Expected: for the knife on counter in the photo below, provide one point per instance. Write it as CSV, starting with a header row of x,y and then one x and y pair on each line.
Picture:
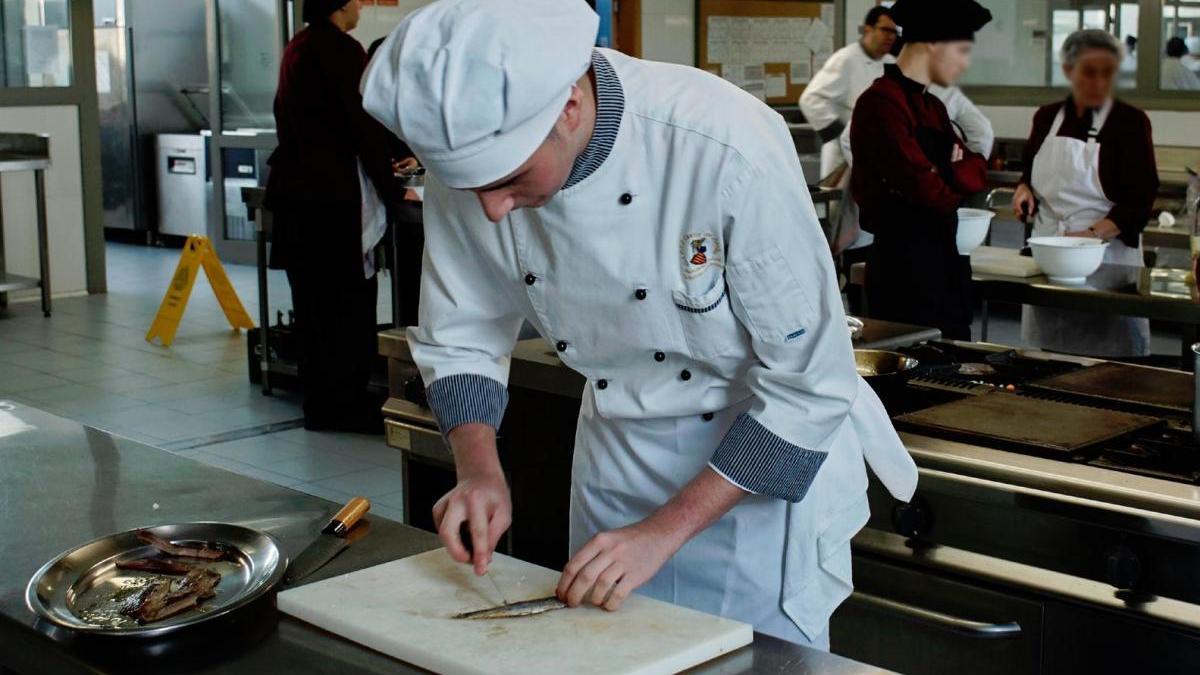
x,y
329,543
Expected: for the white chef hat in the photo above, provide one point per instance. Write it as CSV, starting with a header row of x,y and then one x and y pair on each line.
x,y
475,86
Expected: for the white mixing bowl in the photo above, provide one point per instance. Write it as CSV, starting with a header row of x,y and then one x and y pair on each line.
x,y
973,225
1068,260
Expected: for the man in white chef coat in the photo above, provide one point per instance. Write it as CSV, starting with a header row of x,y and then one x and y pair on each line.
x,y
829,98
650,221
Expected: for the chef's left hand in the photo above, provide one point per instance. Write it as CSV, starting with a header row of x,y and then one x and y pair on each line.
x,y
613,564
956,153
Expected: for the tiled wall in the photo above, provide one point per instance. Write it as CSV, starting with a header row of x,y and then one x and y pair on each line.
x,y
64,201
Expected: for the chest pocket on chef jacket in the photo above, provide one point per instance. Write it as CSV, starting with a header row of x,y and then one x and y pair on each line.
x,y
776,306
709,325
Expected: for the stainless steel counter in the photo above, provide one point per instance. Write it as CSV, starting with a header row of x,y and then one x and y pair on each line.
x,y
62,484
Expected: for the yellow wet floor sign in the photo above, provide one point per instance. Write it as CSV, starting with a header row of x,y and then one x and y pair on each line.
x,y
197,253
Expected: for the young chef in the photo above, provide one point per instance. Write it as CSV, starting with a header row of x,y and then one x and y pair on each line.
x,y
912,171
646,219
829,98
1090,172
321,202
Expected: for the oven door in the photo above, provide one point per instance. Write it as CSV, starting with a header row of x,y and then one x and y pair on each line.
x,y
917,623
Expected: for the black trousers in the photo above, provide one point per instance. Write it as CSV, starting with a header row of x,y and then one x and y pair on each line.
x,y
320,247
921,283
337,328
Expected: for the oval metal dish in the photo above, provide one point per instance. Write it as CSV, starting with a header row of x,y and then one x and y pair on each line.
x,y
83,590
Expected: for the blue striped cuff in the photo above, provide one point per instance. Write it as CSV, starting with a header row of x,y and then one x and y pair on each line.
x,y
467,398
758,461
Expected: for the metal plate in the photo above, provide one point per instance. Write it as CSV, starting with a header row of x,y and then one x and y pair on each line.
x,y
1025,422
82,589
1152,387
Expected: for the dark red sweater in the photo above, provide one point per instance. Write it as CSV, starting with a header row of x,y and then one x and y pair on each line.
x,y
1128,172
322,128
892,173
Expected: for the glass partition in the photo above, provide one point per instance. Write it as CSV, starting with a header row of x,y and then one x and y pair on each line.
x,y
1180,68
250,50
35,43
1021,46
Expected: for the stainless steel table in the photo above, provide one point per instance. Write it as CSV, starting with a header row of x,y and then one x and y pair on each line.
x,y
28,152
1157,294
62,484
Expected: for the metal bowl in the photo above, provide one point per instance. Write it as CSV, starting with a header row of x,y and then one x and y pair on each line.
x,y
876,363
82,589
855,326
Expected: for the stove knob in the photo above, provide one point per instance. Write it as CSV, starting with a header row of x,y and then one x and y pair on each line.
x,y
1124,568
914,519
414,391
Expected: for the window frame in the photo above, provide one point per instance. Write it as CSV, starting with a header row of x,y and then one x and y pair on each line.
x,y
1147,95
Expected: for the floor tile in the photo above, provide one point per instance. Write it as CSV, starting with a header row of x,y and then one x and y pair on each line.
x,y
261,451
315,466
391,500
370,483
28,381
392,514
323,492
244,469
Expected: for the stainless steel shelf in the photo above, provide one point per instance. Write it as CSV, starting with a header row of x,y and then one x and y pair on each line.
x,y
16,282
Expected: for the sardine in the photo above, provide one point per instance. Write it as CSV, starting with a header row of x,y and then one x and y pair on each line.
x,y
516,609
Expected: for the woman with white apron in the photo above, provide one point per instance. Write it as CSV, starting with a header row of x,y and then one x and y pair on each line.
x,y
1090,172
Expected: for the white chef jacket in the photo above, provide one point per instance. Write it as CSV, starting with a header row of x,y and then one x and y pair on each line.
x,y
686,274
828,100
1177,76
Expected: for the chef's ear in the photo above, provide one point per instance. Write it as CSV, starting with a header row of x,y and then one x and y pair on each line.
x,y
572,114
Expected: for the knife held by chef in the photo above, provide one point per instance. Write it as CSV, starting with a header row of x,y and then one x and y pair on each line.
x,y
329,543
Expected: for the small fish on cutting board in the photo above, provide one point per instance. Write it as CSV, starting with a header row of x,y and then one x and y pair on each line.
x,y
514,610
407,608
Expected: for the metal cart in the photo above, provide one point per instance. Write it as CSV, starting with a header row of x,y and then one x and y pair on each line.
x,y
28,152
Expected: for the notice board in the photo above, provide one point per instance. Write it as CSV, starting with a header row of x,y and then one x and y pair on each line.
x,y
770,48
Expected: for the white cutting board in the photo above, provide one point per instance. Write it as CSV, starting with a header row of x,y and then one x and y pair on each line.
x,y
1006,262
404,609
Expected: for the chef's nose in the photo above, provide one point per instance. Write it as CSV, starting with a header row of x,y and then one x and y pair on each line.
x,y
496,204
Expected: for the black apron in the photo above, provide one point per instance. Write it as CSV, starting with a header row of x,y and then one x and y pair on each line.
x,y
914,272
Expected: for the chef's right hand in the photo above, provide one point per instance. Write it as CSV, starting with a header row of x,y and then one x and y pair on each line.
x,y
480,499
1024,203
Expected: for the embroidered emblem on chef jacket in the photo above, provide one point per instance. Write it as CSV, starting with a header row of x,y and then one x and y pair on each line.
x,y
699,252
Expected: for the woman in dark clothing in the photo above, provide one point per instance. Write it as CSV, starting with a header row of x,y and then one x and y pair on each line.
x,y
1090,172
912,172
315,194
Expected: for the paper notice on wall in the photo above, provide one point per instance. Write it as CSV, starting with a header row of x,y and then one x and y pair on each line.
x,y
820,56
754,73
734,73
103,72
800,72
718,43
817,32
777,85
757,89
827,13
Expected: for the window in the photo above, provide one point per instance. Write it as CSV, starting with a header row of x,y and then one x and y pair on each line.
x,y
35,43
1021,46
1180,69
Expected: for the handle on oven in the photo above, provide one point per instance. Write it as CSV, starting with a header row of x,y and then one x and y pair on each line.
x,y
967,627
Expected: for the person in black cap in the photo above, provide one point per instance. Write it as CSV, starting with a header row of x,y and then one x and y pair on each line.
x,y
912,171
315,191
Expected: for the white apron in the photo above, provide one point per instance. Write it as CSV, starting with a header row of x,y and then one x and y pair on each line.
x,y
763,547
1066,182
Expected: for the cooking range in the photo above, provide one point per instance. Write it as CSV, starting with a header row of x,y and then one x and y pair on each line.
x,y
1157,442
1056,526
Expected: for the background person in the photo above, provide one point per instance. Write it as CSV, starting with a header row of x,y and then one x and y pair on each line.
x,y
1089,172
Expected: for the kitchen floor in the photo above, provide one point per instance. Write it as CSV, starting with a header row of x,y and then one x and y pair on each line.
x,y
90,362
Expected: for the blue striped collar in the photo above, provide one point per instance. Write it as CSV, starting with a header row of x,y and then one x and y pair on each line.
x,y
610,106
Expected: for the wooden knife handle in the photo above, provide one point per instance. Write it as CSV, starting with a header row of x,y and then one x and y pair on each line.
x,y
345,519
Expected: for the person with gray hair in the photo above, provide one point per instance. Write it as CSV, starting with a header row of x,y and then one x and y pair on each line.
x,y
1089,171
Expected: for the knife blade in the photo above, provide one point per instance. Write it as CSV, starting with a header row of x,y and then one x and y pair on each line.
x,y
329,543
464,534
